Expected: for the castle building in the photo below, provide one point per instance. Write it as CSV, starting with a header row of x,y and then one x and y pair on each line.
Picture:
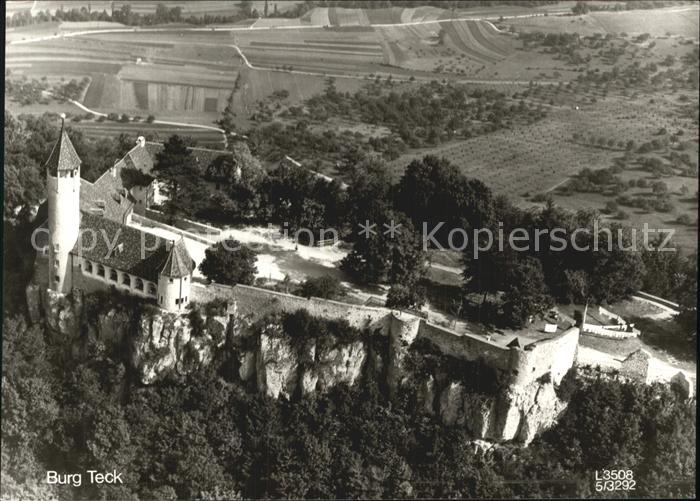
x,y
90,244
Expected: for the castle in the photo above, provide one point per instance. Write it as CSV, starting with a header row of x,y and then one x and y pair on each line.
x,y
89,241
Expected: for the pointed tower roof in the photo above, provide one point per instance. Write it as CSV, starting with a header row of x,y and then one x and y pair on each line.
x,y
178,264
515,343
63,156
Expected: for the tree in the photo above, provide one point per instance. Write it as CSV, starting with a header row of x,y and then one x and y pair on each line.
x,y
378,256
230,263
23,183
326,286
228,117
526,293
402,296
368,195
433,191
486,270
183,183
611,207
615,271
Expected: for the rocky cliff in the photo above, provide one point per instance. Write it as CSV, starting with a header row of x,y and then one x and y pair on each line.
x,y
513,414
261,356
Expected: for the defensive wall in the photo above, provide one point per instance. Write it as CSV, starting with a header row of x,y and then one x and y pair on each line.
x,y
657,299
520,365
182,223
193,233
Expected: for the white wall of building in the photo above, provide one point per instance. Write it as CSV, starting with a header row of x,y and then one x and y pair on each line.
x,y
174,293
64,226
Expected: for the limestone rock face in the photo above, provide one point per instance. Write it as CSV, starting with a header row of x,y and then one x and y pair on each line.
x,y
158,345
61,315
341,364
161,344
309,382
479,414
216,328
426,394
277,364
246,368
164,343
452,403
541,413
33,295
514,414
111,328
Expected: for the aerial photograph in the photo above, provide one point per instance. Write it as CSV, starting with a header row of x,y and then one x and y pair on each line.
x,y
339,250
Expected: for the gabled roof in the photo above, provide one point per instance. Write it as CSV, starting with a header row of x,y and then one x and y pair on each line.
x,y
106,196
137,252
63,156
139,158
178,264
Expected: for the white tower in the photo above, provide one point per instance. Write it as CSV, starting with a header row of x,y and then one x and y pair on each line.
x,y
63,186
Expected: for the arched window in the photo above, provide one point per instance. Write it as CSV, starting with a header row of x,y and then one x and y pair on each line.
x,y
88,267
139,284
113,276
126,280
100,270
152,289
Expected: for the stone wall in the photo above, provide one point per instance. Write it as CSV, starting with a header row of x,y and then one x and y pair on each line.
x,y
609,331
150,222
254,303
522,366
554,356
466,346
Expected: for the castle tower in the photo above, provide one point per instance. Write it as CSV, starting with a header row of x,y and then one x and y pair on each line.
x,y
63,187
175,277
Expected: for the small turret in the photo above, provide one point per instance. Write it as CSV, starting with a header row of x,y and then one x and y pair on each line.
x,y
175,277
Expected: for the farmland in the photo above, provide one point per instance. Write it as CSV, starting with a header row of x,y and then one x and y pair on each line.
x,y
154,132
677,21
540,158
179,74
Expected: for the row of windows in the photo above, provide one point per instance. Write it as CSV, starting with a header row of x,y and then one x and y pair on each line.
x,y
127,280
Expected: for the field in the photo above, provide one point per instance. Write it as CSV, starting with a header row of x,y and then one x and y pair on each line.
x,y
183,75
153,132
154,76
680,21
320,50
257,86
529,160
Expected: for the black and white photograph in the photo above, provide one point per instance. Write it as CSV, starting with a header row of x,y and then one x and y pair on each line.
x,y
349,250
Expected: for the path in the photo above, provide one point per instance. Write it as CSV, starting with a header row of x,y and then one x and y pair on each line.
x,y
663,371
666,313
